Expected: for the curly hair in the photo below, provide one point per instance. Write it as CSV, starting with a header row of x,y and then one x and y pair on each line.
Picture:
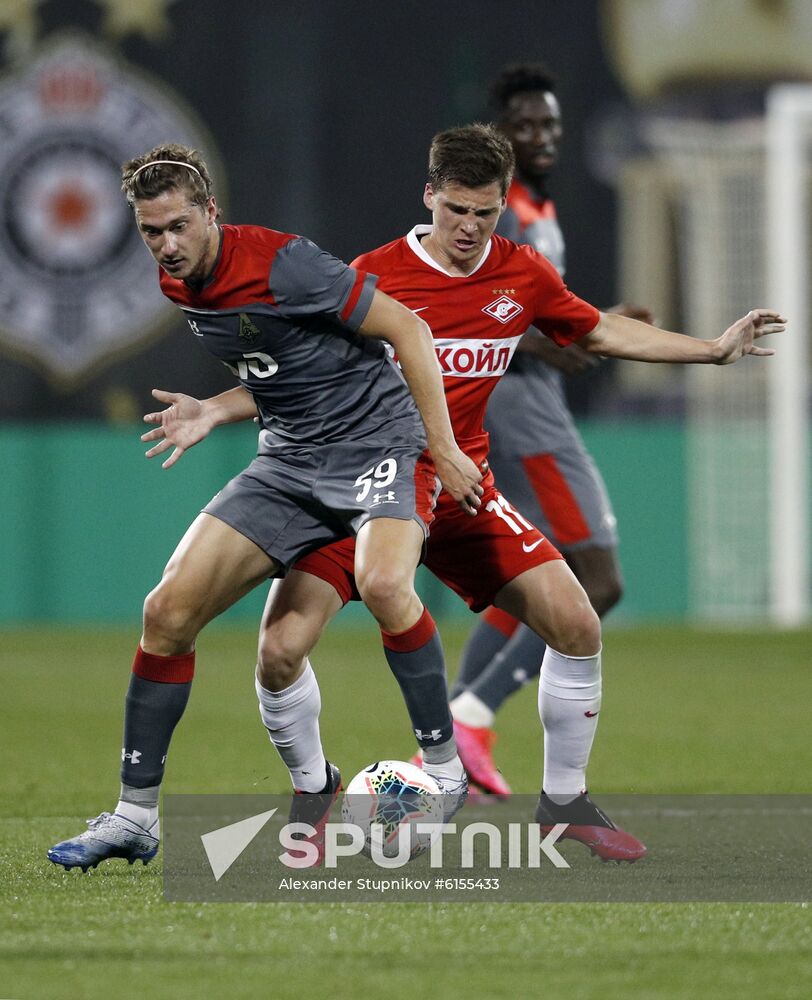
x,y
141,180
519,78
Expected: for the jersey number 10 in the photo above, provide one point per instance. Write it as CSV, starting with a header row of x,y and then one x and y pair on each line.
x,y
255,363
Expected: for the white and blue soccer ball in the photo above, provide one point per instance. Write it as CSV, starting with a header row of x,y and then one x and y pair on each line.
x,y
387,800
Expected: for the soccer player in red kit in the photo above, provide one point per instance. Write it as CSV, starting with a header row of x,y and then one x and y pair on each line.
x,y
536,452
479,293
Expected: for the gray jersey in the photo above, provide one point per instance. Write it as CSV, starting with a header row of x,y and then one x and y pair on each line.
x,y
341,439
531,387
536,452
282,315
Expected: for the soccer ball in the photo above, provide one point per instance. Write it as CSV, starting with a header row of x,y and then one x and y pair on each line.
x,y
386,800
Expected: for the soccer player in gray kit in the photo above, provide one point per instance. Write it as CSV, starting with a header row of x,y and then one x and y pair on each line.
x,y
341,453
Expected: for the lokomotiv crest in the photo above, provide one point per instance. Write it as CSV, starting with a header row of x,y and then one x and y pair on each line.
x,y
77,286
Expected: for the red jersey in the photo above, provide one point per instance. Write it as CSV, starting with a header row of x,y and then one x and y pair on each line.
x,y
478,319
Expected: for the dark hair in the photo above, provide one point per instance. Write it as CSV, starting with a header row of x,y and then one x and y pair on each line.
x,y
519,78
473,156
191,174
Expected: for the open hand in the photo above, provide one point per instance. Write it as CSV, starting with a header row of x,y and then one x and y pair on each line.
x,y
182,424
739,339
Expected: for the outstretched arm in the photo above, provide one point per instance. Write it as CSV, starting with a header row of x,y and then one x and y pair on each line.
x,y
413,343
617,336
187,420
573,358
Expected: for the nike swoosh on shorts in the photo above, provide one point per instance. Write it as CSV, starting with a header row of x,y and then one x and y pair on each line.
x,y
529,548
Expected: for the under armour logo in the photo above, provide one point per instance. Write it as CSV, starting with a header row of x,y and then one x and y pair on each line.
x,y
435,734
133,757
388,497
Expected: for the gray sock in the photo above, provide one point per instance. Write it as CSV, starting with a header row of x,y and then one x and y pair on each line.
x,y
151,711
516,664
440,754
421,675
147,798
483,644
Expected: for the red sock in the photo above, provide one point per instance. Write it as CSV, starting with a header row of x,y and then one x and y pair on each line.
x,y
412,638
501,621
164,669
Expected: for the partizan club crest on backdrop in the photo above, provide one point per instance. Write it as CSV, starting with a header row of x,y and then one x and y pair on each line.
x,y
77,288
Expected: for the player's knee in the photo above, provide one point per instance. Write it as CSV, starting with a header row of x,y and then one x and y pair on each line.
x,y
279,659
168,620
384,590
577,632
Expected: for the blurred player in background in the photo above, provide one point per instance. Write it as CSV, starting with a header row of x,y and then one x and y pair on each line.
x,y
479,294
536,452
340,453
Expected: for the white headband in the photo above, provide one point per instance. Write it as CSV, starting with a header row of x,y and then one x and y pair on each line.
x,y
177,163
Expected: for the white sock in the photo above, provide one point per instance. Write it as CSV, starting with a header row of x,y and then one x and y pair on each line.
x,y
471,711
292,720
146,816
451,770
569,702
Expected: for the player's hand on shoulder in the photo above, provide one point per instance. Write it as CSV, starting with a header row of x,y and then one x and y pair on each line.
x,y
183,423
460,477
739,339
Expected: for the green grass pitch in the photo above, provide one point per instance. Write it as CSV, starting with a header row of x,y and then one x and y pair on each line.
x,y
684,711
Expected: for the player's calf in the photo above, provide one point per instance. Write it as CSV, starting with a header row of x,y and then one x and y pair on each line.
x,y
415,657
291,718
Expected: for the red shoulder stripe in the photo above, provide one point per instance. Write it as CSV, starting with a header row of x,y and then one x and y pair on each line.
x,y
355,295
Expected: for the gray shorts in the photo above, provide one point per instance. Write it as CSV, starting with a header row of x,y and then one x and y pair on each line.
x,y
542,465
294,503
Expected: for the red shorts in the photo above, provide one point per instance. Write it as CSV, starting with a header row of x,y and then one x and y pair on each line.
x,y
474,556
